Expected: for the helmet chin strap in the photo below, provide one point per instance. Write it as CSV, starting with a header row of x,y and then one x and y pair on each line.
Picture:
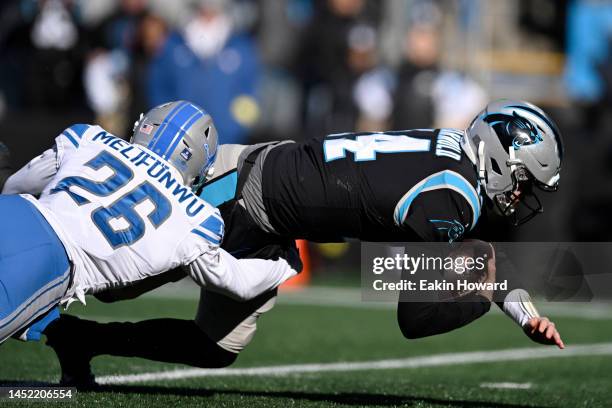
x,y
482,172
513,161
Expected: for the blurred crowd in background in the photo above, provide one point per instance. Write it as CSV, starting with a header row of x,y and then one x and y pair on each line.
x,y
291,69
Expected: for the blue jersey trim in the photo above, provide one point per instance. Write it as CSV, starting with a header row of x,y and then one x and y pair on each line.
x,y
444,179
79,129
214,225
70,138
206,236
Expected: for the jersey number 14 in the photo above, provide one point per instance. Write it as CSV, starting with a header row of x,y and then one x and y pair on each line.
x,y
365,147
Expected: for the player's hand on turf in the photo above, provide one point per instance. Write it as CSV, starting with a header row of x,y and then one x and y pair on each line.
x,y
541,330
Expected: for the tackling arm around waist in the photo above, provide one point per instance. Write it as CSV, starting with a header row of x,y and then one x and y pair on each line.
x,y
239,279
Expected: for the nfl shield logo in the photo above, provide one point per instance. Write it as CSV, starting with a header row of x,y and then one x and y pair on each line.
x,y
186,154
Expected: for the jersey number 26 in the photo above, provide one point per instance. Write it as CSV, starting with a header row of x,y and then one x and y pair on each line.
x,y
123,207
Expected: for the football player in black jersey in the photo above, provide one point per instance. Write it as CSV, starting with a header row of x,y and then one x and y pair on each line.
x,y
415,185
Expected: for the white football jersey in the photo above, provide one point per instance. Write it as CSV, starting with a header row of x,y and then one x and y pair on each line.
x,y
122,212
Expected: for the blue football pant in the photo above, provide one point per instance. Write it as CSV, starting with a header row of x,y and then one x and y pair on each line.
x,y
34,268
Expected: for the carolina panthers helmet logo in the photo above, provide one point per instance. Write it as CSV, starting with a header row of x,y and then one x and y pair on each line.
x,y
453,228
514,130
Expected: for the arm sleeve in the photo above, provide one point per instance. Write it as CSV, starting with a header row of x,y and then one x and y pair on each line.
x,y
439,216
140,287
34,176
241,279
422,319
517,303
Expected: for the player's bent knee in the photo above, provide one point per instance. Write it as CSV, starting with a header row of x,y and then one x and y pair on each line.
x,y
231,325
204,352
410,334
221,358
214,356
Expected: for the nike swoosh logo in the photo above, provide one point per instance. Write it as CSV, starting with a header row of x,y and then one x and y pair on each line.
x,y
542,164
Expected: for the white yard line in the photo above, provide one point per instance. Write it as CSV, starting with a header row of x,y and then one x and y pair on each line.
x,y
494,356
507,385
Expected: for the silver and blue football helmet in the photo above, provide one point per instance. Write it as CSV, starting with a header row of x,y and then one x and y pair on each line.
x,y
515,147
183,134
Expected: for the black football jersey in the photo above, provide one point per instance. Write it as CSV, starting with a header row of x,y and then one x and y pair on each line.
x,y
391,186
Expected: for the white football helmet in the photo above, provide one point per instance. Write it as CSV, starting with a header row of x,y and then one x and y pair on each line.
x,y
515,147
183,134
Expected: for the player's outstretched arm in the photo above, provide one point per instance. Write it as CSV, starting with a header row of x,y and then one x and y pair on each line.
x,y
520,308
518,305
34,176
143,286
422,319
239,279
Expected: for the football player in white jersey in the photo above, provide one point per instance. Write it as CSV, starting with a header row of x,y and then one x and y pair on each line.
x,y
112,213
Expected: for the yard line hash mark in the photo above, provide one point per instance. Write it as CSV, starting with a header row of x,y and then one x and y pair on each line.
x,y
506,385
